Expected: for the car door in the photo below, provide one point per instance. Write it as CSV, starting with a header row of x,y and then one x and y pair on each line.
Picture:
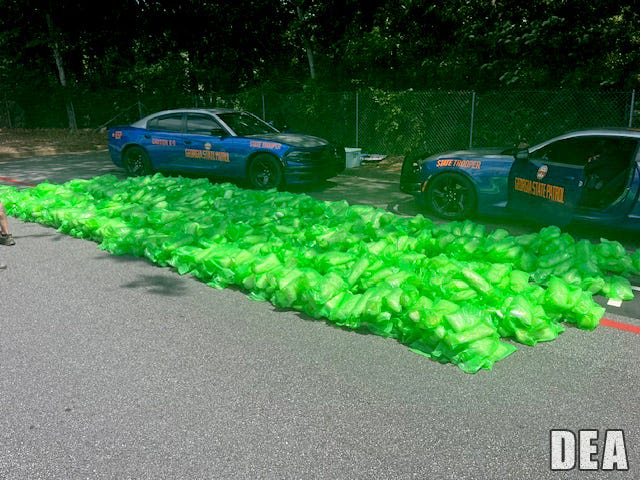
x,y
162,140
546,185
247,138
202,145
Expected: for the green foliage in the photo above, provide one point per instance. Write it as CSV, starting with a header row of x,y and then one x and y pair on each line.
x,y
198,49
403,122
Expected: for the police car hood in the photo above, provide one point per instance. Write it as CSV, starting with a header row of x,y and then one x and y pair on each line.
x,y
294,139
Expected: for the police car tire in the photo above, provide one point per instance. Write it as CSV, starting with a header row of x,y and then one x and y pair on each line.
x,y
451,189
264,172
136,162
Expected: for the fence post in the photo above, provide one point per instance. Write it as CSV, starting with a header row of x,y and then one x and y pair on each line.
x,y
632,108
357,116
473,112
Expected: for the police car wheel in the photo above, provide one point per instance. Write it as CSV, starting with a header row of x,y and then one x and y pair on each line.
x,y
136,162
451,196
265,172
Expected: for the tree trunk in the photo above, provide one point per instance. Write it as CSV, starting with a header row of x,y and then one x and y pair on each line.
x,y
57,56
307,46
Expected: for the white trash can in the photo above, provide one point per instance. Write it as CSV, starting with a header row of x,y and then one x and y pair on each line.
x,y
353,157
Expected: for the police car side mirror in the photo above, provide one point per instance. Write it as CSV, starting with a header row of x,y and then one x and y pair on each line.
x,y
279,127
522,154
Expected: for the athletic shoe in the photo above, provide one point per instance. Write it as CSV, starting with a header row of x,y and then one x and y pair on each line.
x,y
7,239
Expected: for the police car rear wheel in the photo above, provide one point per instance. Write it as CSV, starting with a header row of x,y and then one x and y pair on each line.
x,y
451,196
265,172
136,162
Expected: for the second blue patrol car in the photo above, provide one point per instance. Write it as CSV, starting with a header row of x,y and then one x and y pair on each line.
x,y
588,175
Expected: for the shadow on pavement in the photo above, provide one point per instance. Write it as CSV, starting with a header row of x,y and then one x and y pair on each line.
x,y
60,168
159,285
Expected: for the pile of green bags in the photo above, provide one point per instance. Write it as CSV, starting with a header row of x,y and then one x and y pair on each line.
x,y
451,292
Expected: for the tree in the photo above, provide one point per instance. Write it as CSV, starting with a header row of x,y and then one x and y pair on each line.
x,y
57,56
178,51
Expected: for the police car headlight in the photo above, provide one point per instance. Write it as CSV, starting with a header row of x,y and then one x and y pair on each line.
x,y
299,156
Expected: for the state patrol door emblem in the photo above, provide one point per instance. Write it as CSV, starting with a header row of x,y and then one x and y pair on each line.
x,y
542,172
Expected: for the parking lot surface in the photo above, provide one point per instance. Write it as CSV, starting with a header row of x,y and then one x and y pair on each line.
x,y
115,368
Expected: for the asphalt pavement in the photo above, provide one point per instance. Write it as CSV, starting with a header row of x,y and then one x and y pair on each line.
x,y
113,368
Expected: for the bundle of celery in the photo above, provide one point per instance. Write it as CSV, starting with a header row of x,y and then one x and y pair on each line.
x,y
451,292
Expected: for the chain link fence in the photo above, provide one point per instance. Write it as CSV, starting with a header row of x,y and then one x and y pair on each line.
x,y
535,116
390,123
396,123
408,121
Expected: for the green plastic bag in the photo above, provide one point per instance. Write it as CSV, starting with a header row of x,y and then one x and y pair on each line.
x,y
448,291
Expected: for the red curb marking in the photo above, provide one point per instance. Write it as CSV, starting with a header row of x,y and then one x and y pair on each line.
x,y
18,182
620,326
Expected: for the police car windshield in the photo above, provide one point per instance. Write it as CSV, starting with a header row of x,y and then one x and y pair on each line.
x,y
244,124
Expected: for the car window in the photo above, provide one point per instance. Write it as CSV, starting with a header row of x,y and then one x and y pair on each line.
x,y
621,151
244,124
578,151
166,123
571,151
203,125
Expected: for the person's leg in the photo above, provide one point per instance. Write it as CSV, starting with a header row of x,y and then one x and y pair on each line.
x,y
5,236
4,223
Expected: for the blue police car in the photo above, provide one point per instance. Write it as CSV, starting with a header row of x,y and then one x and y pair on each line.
x,y
587,175
222,143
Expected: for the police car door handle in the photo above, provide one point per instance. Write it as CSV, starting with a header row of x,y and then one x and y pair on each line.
x,y
187,142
